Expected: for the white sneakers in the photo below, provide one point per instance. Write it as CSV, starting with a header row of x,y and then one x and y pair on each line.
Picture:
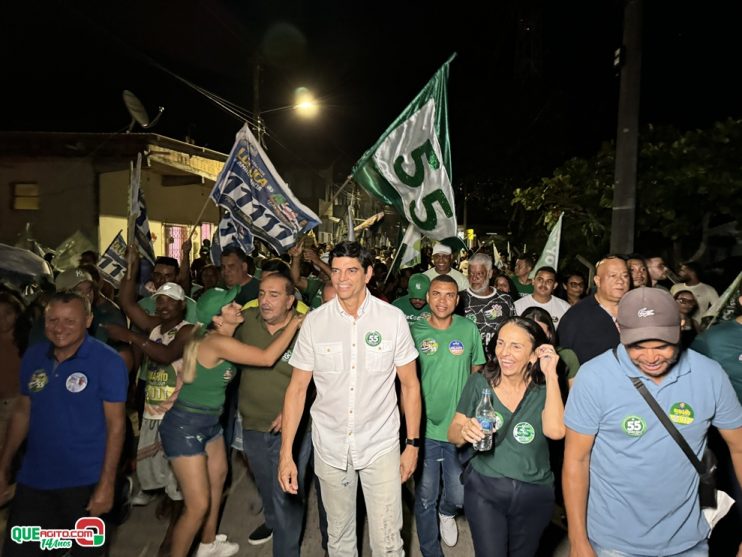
x,y
449,530
220,547
142,499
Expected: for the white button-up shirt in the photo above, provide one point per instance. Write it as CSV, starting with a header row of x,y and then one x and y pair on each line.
x,y
354,364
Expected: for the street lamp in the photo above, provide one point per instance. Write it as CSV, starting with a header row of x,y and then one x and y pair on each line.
x,y
305,105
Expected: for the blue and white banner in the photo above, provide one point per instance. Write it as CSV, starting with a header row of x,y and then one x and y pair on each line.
x,y
112,263
258,199
140,235
231,232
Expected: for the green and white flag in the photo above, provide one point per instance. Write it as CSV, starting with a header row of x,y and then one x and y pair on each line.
x,y
409,167
409,248
550,255
723,309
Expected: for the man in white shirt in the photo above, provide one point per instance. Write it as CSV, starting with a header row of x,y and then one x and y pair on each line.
x,y
544,284
354,347
705,294
442,257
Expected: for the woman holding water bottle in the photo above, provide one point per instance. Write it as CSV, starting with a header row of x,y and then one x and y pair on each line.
x,y
509,488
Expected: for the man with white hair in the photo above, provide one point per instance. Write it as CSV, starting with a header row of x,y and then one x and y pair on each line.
x,y
442,257
481,303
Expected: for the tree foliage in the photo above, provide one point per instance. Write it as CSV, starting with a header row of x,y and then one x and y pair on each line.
x,y
686,182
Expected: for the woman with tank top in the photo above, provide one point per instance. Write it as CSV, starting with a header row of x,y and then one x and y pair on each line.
x,y
191,434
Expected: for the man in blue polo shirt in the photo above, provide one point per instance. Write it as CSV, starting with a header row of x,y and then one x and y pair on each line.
x,y
628,487
71,413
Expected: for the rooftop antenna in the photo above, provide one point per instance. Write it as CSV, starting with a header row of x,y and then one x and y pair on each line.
x,y
138,112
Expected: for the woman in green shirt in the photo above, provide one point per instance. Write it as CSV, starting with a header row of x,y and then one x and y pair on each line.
x,y
508,491
190,432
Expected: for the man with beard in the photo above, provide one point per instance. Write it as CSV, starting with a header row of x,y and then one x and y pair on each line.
x,y
645,502
482,304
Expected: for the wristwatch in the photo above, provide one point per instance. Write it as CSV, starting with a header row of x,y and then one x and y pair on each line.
x,y
414,442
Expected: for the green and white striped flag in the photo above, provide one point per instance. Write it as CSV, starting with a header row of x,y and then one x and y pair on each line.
x,y
550,254
409,167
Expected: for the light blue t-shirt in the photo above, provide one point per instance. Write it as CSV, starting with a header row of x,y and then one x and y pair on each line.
x,y
643,496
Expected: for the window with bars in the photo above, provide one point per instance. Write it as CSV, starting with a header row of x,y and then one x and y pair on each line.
x,y
175,235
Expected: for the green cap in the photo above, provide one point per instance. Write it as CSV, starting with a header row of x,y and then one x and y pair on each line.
x,y
418,286
212,301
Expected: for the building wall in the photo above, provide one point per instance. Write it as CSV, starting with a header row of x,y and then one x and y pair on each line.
x,y
67,199
166,205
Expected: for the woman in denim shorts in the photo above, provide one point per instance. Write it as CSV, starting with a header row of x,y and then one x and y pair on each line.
x,y
190,432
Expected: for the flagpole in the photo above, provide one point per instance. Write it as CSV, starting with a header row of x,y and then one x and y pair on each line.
x,y
132,217
198,219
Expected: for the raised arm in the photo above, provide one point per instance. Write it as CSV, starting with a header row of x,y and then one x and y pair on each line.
x,y
184,274
127,294
311,256
295,252
230,349
552,417
163,354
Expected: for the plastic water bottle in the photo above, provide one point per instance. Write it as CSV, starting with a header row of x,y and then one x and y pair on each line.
x,y
485,414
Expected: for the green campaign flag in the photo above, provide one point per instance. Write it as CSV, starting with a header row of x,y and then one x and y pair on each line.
x,y
409,167
723,309
550,254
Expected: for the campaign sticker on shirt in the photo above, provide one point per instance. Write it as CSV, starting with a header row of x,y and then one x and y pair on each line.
x,y
77,382
429,346
498,421
286,355
634,426
229,374
494,313
524,433
373,338
456,347
38,381
682,413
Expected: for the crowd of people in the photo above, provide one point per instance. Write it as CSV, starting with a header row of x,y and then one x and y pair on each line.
x,y
500,396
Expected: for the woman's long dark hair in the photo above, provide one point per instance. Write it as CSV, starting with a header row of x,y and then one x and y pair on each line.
x,y
540,315
492,371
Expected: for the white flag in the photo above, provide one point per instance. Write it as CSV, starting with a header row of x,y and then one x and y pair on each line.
x,y
550,254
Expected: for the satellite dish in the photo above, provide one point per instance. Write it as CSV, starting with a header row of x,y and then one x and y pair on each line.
x,y
138,112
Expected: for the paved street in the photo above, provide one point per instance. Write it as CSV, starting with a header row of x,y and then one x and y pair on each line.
x,y
141,534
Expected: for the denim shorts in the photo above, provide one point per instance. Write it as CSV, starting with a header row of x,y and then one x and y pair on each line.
x,y
185,433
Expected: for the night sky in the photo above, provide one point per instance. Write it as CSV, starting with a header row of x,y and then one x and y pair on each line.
x,y
533,83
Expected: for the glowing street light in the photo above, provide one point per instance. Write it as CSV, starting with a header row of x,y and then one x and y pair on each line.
x,y
306,105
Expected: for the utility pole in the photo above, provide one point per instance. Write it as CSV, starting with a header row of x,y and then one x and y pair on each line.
x,y
627,135
258,125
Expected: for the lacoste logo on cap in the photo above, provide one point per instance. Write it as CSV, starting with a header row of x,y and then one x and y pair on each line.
x,y
645,312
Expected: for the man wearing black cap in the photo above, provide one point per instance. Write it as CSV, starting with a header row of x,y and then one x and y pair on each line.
x,y
628,487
